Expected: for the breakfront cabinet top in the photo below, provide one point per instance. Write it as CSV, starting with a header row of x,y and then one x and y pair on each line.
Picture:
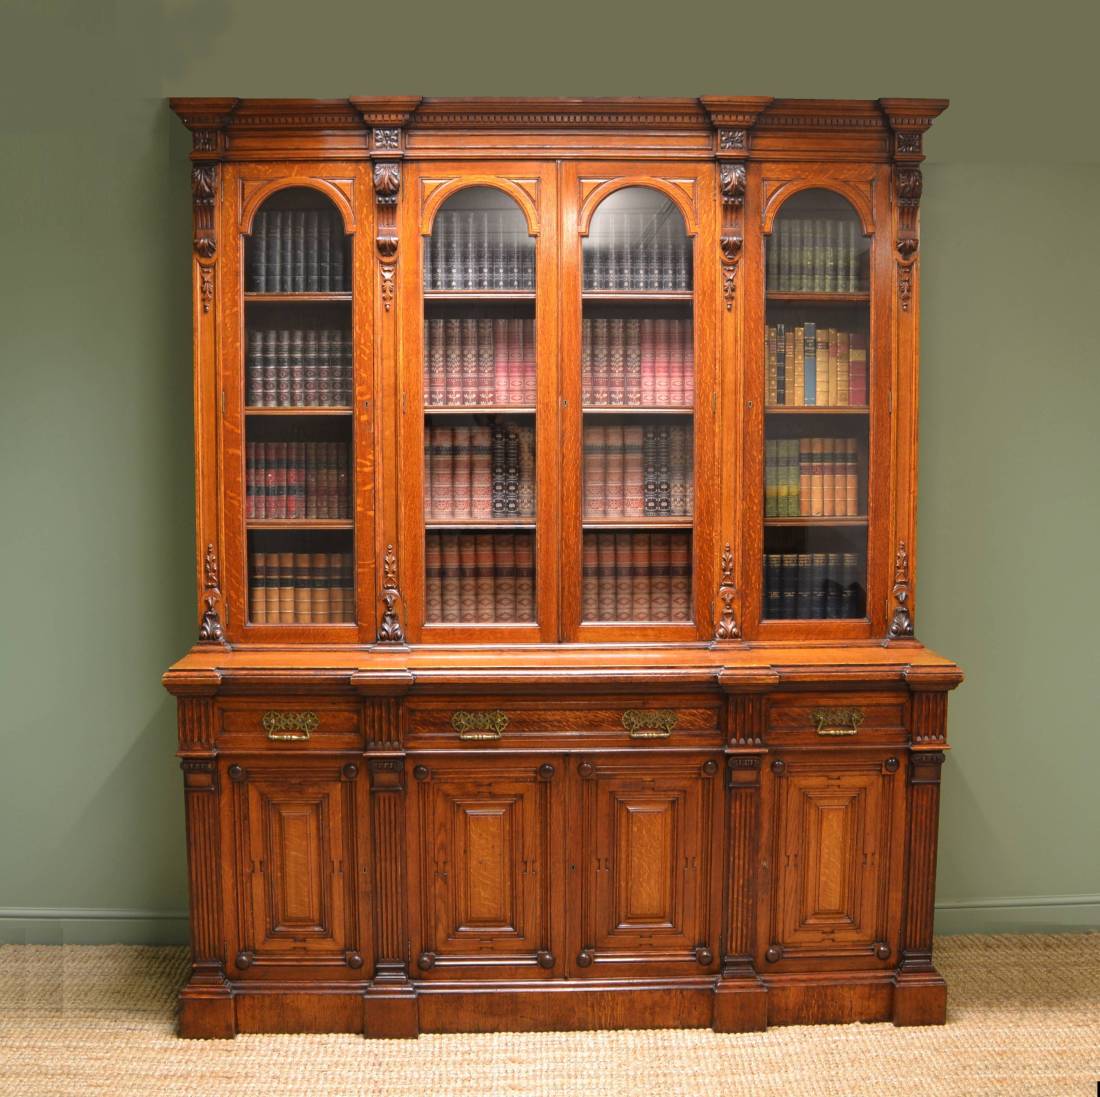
x,y
624,384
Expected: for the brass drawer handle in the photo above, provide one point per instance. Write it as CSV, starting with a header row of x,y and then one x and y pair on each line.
x,y
479,725
290,726
838,721
649,723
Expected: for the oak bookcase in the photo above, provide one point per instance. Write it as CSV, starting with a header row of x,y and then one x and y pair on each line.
x,y
555,496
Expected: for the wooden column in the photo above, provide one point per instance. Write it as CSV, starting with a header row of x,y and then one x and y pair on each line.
x,y
740,1000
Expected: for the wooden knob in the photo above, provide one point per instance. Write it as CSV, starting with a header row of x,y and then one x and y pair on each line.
x,y
774,954
890,765
546,772
244,959
426,961
238,773
545,958
421,773
703,955
350,771
585,958
353,959
778,766
882,950
710,768
587,770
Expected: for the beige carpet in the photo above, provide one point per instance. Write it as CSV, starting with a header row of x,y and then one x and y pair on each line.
x,y
1024,1020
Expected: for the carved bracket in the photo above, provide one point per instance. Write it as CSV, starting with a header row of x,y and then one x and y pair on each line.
x,y
204,187
387,186
210,628
727,590
902,622
908,185
390,630
732,181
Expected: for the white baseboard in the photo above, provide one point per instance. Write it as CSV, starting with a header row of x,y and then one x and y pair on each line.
x,y
132,926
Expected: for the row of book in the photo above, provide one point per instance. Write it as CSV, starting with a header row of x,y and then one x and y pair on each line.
x,y
297,251
638,471
479,362
809,586
479,472
818,255
632,361
297,480
810,366
298,368
641,251
473,578
301,588
636,577
479,250
811,478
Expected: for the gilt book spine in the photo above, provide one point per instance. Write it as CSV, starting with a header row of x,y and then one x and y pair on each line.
x,y
485,608
624,577
614,484
467,577
525,577
589,579
257,589
641,577
505,577
595,472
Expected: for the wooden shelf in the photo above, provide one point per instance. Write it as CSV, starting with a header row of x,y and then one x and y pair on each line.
x,y
298,411
296,298
479,295
785,410
676,522
817,521
799,298
299,523
476,523
479,409
627,409
637,295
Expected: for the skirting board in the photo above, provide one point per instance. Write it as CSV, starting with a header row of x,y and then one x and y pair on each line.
x,y
101,926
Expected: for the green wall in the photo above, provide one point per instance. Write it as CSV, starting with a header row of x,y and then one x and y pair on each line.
x,y
95,416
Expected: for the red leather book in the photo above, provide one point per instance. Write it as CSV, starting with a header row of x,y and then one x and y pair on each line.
x,y
676,361
688,356
435,378
505,569
467,577
450,577
433,578
595,472
486,363
525,577
601,370
648,364
250,480
469,361
633,472
632,363
641,577
605,550
680,576
615,472
587,379
452,361
485,579
460,474
515,361
661,364
660,607
616,361
624,577
529,356
590,583
481,477
442,444
500,361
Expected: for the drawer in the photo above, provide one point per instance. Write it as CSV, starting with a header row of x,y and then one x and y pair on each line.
x,y
559,722
290,723
837,719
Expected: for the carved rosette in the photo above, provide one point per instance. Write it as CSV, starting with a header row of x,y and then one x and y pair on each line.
x,y
902,622
387,186
210,628
726,628
390,630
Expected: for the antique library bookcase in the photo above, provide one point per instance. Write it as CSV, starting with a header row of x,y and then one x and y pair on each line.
x,y
555,503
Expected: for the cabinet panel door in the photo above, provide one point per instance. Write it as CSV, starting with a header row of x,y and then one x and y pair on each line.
x,y
484,838
837,829
644,856
293,826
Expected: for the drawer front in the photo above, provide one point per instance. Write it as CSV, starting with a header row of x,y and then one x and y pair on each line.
x,y
511,722
290,724
837,719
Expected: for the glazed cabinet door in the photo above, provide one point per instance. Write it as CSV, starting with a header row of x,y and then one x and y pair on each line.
x,y
478,412
639,294
485,841
642,862
837,837
291,823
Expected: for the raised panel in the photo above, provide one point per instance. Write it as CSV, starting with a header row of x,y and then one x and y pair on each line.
x,y
643,852
482,831
293,829
836,828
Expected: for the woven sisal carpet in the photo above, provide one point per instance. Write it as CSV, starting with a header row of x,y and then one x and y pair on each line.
x,y
1024,1019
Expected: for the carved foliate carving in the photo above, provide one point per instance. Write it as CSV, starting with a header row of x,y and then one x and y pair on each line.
x,y
387,182
386,138
204,186
908,186
902,622
206,287
907,143
390,630
732,180
727,590
733,139
210,628
387,186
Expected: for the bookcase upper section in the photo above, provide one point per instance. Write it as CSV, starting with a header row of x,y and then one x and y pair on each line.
x,y
544,371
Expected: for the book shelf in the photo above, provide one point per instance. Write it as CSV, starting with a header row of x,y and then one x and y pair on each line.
x,y
555,506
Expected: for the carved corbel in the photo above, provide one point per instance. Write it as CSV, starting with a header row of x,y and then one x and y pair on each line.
x,y
210,628
727,628
390,630
901,623
908,184
732,180
387,186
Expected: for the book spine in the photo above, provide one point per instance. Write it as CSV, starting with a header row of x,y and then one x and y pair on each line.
x,y
336,262
257,589
469,361
680,576
648,367
437,375
789,587
505,571
515,361
311,263
254,369
664,485
595,472
641,577
660,564
678,470
525,577
442,447
498,470
303,607
525,493
632,363
858,369
274,263
661,365
589,579
633,473
299,228
605,549
615,473
624,577
501,351
586,361
467,577
688,359
676,363
601,368
485,362
433,578
485,593
449,577
257,254
803,598
772,610
452,357
616,360
511,472
828,488
481,477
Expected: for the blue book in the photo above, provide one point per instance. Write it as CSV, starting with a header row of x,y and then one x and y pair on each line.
x,y
809,372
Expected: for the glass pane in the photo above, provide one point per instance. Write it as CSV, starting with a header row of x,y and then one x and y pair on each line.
x,y
479,415
638,392
299,431
817,394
